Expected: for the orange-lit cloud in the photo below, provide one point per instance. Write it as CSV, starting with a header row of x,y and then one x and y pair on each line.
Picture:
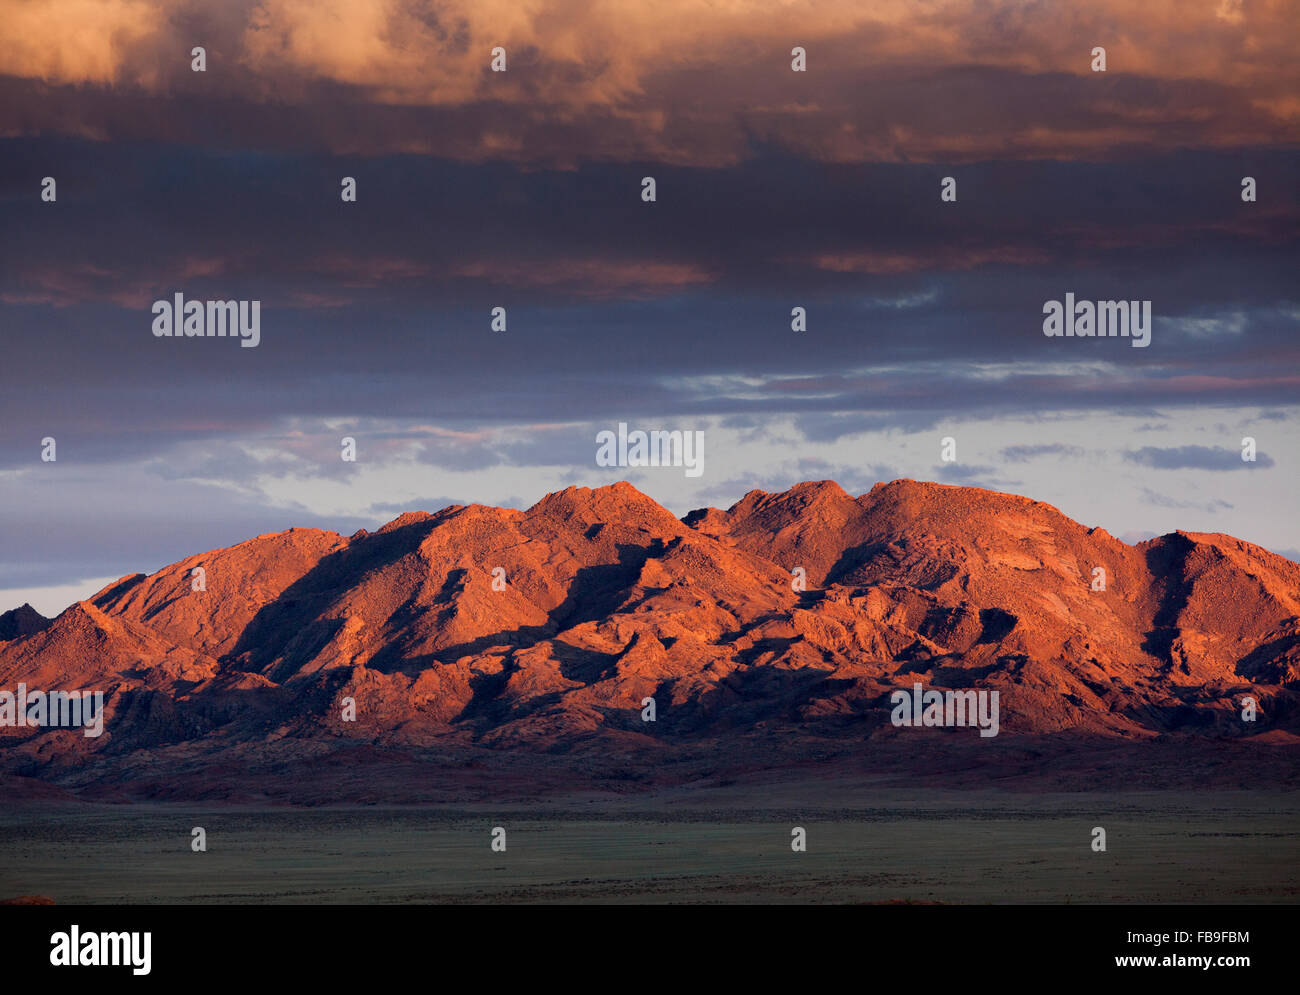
x,y
685,81
886,263
592,278
79,41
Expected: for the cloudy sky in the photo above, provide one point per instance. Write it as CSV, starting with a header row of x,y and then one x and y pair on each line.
x,y
775,189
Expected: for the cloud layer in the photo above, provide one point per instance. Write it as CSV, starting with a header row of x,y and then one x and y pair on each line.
x,y
680,81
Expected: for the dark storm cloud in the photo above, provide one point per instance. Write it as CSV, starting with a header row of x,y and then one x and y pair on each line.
x,y
619,308
143,220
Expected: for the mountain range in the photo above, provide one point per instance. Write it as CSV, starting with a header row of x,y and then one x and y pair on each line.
x,y
480,651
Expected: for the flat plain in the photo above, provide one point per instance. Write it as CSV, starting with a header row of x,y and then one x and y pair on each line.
x,y
679,846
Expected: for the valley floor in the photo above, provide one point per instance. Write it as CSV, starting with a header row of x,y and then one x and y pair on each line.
x,y
684,844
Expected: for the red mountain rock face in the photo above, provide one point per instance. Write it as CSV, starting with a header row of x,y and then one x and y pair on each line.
x,y
479,635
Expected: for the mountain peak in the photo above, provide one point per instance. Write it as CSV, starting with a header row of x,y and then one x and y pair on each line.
x,y
619,502
22,621
818,490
